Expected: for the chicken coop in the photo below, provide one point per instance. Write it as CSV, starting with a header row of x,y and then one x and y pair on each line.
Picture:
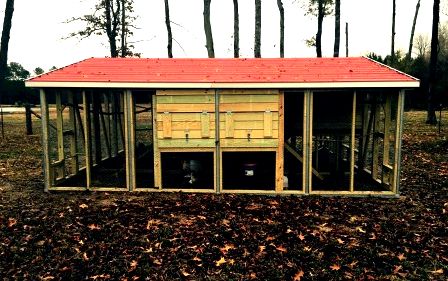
x,y
268,126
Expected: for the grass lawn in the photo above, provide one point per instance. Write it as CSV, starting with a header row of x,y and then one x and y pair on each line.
x,y
124,236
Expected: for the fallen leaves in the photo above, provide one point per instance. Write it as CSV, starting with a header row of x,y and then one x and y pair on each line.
x,y
83,206
335,267
298,275
438,271
226,248
93,227
220,262
11,222
281,249
359,229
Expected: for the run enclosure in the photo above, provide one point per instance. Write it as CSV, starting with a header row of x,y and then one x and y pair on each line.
x,y
236,138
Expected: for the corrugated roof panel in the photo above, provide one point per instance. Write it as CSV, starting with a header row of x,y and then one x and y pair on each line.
x,y
261,70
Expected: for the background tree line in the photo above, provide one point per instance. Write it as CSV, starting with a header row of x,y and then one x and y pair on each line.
x,y
114,20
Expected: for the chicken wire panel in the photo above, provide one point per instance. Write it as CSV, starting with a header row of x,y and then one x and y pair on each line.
x,y
331,134
144,148
293,136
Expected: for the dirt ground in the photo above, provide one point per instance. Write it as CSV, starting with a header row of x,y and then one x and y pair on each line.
x,y
122,236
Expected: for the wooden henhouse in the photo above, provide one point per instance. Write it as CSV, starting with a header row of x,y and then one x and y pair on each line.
x,y
269,126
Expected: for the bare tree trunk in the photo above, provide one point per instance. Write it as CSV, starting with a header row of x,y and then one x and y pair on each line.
x,y
208,30
111,32
123,29
411,41
7,23
236,30
346,39
168,29
282,28
431,114
392,47
320,19
337,28
257,41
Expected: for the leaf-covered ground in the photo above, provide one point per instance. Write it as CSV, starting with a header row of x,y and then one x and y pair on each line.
x,y
122,236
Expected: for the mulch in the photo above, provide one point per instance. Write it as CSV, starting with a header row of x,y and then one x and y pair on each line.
x,y
178,236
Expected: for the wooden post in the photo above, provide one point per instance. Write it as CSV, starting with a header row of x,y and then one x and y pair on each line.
x,y
28,121
73,135
352,145
376,144
129,145
218,152
60,173
45,142
87,139
96,103
279,171
398,136
104,126
114,127
157,161
307,141
387,120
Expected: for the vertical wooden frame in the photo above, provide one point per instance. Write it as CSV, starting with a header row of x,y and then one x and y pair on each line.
x,y
129,144
352,145
45,141
114,125
73,136
376,142
279,166
157,160
308,141
398,136
59,170
218,155
59,126
387,124
87,138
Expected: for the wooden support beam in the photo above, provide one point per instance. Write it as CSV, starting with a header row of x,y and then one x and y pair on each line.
x,y
352,145
78,117
308,141
129,117
157,161
387,125
279,165
59,126
114,127
298,157
96,103
87,138
367,119
74,165
120,107
397,150
376,142
45,139
105,130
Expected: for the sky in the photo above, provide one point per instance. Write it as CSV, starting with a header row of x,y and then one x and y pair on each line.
x,y
39,28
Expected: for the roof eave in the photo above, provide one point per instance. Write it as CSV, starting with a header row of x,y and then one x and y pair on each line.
x,y
218,85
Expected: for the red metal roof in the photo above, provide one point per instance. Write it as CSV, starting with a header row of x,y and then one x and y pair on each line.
x,y
206,70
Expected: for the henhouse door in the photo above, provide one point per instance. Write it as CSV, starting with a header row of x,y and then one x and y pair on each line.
x,y
185,139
